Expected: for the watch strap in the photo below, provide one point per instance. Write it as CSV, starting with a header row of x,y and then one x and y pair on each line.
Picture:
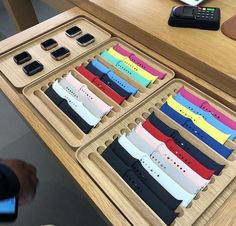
x,y
115,78
187,146
108,91
100,85
105,79
161,75
161,177
207,116
173,159
139,187
132,65
84,92
86,73
164,165
125,69
196,131
203,104
198,121
76,105
178,151
65,107
144,176
81,98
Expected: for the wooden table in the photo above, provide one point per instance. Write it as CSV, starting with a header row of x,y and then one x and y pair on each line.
x,y
209,54
66,154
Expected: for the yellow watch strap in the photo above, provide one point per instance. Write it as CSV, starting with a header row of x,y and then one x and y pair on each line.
x,y
132,65
198,120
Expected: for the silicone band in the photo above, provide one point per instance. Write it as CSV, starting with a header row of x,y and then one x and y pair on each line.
x,y
207,116
183,143
203,104
86,102
180,165
139,62
84,92
115,78
108,91
192,128
105,79
100,85
66,109
129,176
161,177
198,121
178,151
77,106
164,165
86,73
132,65
144,176
125,69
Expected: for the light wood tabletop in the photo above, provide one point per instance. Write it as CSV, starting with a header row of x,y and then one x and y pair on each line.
x,y
66,154
208,54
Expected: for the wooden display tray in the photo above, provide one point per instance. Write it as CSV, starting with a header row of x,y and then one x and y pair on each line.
x,y
62,124
122,195
14,72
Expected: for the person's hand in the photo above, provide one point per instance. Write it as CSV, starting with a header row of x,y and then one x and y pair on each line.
x,y
27,177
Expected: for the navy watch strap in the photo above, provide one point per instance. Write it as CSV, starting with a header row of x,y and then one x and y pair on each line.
x,y
183,143
105,79
129,176
65,107
90,67
191,127
171,202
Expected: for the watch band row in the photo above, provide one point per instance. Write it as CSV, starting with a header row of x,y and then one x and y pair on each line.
x,y
207,116
187,146
81,105
204,105
161,75
196,131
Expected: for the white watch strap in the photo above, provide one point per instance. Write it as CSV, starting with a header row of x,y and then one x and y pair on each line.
x,y
196,179
88,94
161,177
86,102
77,106
161,162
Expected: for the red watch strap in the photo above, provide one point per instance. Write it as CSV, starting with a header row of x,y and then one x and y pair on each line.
x,y
178,151
100,85
108,91
86,73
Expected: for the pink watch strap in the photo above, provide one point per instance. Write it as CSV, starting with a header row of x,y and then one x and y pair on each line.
x,y
161,75
204,105
166,153
83,90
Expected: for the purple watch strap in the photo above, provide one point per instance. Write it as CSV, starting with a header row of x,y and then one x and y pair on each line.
x,y
161,75
204,105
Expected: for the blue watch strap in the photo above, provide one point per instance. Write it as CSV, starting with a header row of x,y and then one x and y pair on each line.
x,y
207,116
115,78
183,143
192,128
105,79
125,69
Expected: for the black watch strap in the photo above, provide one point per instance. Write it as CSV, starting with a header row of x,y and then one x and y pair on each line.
x,y
129,176
183,143
171,202
65,107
